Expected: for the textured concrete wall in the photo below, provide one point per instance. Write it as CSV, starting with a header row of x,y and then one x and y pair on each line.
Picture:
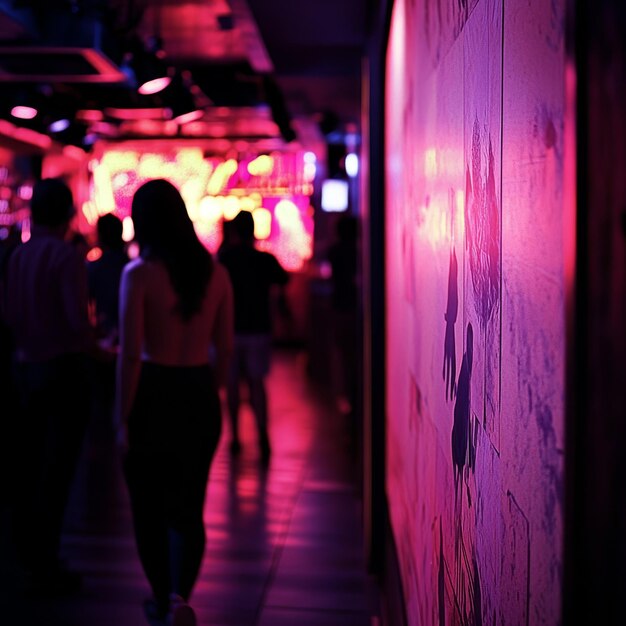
x,y
475,236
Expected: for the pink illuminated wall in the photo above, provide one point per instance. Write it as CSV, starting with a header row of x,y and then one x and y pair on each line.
x,y
475,228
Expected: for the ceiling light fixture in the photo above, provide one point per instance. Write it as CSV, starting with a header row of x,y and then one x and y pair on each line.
x,y
59,125
24,112
146,71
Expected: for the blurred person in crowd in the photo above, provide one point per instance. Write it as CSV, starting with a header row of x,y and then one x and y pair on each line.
x,y
104,276
81,243
253,273
175,307
46,312
9,393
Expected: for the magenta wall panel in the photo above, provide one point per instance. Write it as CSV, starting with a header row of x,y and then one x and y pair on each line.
x,y
475,308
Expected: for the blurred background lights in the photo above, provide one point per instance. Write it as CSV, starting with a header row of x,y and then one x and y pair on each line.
x,y
210,210
286,212
128,229
262,223
230,206
24,112
334,195
59,125
352,164
261,166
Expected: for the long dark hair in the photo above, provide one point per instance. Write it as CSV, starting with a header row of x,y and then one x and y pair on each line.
x,y
164,231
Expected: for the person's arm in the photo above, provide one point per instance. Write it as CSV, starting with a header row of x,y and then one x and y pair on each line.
x,y
223,334
131,316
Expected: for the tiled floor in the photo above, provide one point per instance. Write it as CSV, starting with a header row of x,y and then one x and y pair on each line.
x,y
284,544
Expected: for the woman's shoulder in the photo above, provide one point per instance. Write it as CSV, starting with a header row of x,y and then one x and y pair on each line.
x,y
140,269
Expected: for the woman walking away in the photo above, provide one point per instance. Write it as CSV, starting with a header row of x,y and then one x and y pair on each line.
x,y
176,308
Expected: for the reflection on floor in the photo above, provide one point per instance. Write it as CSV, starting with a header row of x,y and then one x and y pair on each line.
x,y
284,544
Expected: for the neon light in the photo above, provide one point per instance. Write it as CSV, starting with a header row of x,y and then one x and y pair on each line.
x,y
59,125
25,192
210,210
90,115
94,254
262,223
352,164
247,204
334,195
154,86
310,169
261,166
286,212
216,189
24,112
90,212
192,116
128,229
230,206
25,230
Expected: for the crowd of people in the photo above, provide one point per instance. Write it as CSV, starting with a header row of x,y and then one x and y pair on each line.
x,y
165,332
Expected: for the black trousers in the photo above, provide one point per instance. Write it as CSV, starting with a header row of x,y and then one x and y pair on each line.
x,y
47,436
174,429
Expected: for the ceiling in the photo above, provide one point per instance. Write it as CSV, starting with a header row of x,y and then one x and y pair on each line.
x,y
272,72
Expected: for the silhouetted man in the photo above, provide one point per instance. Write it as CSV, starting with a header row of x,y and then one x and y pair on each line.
x,y
252,274
46,310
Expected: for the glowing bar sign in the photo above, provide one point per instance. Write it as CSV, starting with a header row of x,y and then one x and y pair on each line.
x,y
276,188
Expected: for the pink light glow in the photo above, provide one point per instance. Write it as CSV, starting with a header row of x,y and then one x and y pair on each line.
x,y
24,112
154,86
192,116
94,254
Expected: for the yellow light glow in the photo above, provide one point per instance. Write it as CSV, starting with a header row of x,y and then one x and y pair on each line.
x,y
90,212
191,158
210,210
263,165
104,199
230,206
220,176
286,213
256,198
262,223
151,166
191,190
120,160
247,204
